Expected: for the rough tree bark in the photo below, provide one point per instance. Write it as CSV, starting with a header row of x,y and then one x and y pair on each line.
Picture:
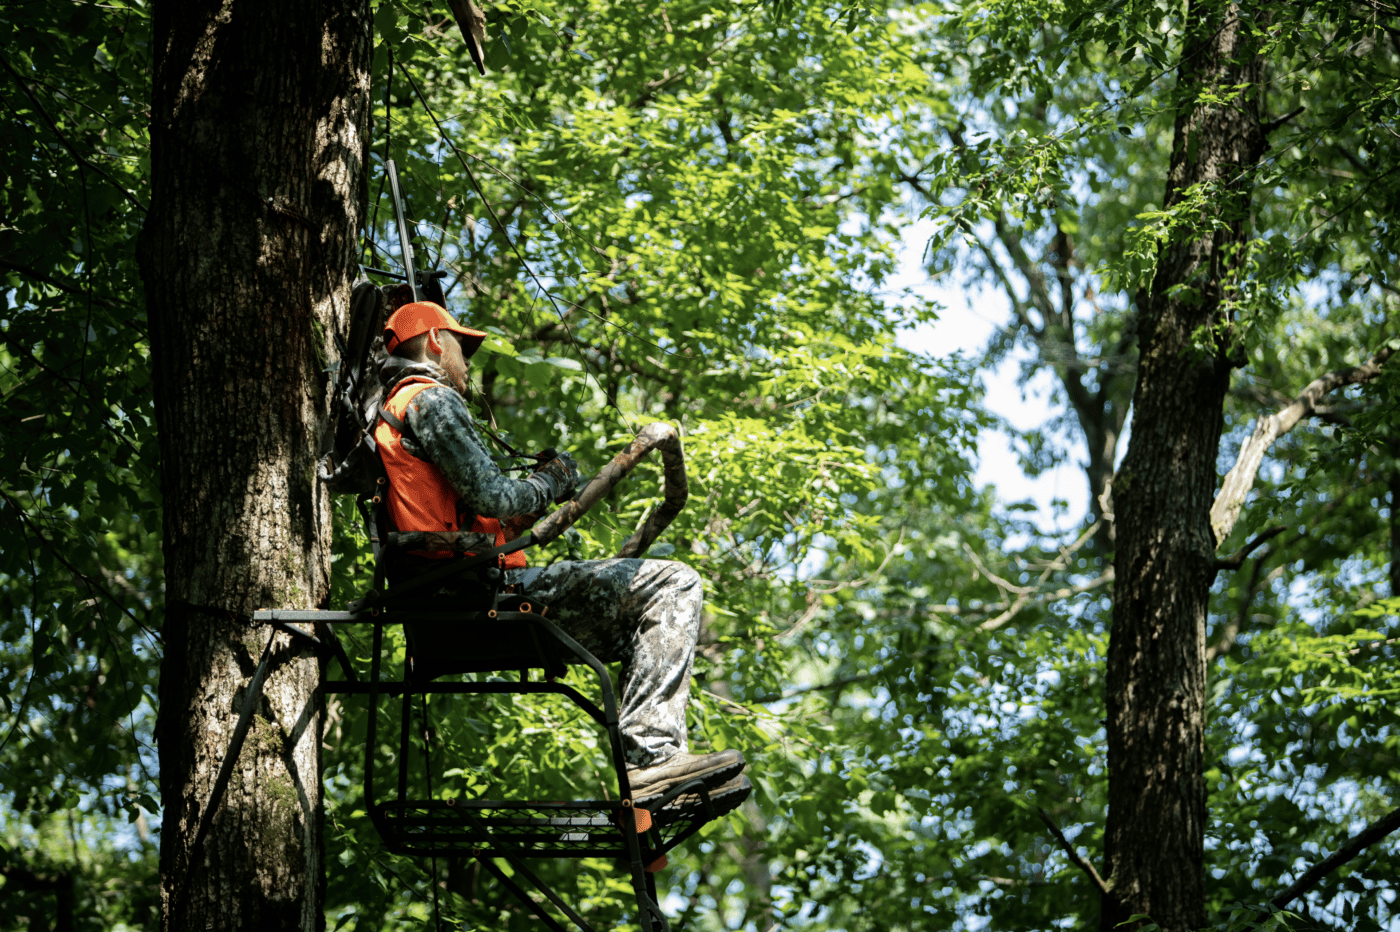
x,y
258,116
1165,550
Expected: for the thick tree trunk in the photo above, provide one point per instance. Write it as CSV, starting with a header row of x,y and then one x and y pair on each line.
x,y
1165,550
258,114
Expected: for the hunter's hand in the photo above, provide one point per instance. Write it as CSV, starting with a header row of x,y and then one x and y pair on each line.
x,y
561,473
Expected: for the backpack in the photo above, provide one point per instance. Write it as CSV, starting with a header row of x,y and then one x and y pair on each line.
x,y
350,462
349,456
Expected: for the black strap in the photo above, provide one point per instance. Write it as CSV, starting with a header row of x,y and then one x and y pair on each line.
x,y
400,425
216,795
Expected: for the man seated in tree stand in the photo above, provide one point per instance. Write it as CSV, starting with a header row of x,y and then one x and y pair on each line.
x,y
643,613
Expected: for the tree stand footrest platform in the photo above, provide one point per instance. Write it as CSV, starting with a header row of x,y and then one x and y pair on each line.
x,y
527,829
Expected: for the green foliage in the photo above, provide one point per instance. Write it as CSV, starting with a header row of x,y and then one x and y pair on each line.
x,y
79,490
688,212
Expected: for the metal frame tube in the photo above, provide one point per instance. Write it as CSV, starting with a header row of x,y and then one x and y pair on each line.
x,y
405,245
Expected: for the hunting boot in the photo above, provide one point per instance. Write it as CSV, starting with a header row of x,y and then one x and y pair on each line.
x,y
724,799
712,769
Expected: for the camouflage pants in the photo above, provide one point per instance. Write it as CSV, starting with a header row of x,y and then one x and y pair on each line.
x,y
642,613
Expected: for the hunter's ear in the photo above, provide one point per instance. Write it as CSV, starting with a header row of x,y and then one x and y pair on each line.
x,y
435,343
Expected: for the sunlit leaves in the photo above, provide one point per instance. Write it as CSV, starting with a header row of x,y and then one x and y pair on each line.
x,y
687,211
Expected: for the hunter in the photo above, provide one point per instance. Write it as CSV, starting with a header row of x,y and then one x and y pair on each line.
x,y
644,614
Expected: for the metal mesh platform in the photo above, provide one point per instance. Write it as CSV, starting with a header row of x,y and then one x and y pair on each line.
x,y
489,828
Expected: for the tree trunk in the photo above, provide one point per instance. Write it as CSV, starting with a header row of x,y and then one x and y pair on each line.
x,y
1165,550
258,159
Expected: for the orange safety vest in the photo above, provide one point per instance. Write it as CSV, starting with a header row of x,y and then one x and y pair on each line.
x,y
420,497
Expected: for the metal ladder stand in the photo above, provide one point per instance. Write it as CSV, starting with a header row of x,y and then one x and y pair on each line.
x,y
507,634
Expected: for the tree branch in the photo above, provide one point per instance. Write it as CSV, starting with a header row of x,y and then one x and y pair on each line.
x,y
1274,124
1010,611
1236,559
1011,882
1104,887
1354,846
53,128
1024,594
1235,489
31,272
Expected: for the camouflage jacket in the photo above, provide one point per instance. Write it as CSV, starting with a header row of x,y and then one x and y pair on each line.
x,y
447,437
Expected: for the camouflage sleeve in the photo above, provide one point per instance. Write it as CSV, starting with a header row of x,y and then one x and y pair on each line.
x,y
449,439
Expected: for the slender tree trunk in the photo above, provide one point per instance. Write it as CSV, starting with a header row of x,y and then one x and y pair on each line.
x,y
258,113
1165,550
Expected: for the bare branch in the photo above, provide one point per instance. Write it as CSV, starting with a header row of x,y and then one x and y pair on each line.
x,y
1354,846
1099,581
1005,585
733,706
1103,886
1235,489
1236,560
1272,125
1025,594
1012,882
814,605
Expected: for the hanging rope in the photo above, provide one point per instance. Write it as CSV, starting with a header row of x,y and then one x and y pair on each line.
x,y
370,248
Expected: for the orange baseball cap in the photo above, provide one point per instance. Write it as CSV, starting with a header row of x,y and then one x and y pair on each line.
x,y
413,319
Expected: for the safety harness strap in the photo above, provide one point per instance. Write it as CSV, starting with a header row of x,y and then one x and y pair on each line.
x,y
398,423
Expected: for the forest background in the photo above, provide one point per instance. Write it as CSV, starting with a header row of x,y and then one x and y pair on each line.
x,y
692,211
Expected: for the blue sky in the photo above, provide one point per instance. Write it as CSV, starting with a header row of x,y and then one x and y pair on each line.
x,y
971,315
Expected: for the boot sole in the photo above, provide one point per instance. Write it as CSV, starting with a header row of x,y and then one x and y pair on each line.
x,y
712,777
690,806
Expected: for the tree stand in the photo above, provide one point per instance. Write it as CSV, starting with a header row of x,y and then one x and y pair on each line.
x,y
511,830
504,633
